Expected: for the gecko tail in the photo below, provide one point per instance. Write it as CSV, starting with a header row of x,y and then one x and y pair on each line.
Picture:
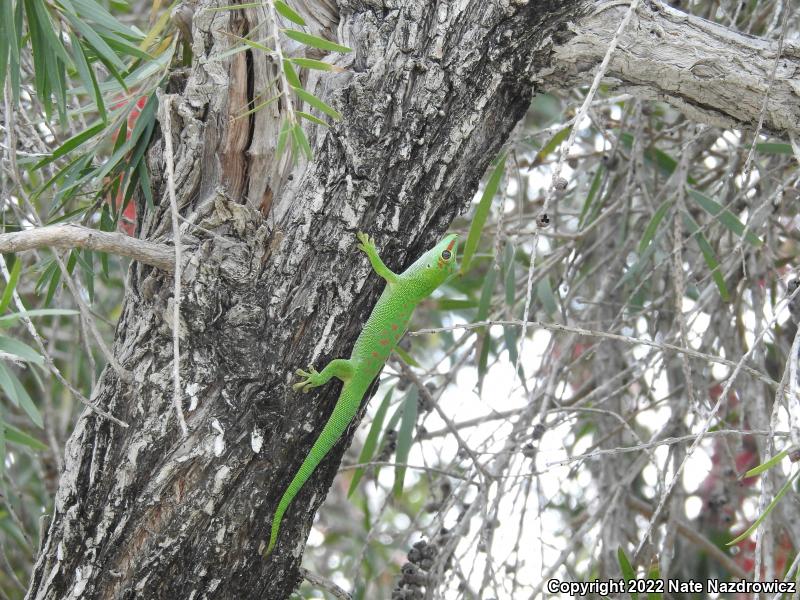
x,y
343,413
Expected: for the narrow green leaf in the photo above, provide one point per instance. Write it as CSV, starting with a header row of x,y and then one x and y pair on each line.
x,y
654,575
593,189
371,443
450,304
627,570
485,304
7,384
7,39
314,41
20,395
317,103
89,9
781,493
766,466
509,277
17,348
291,74
96,43
774,148
87,76
544,291
8,292
310,63
283,137
301,140
144,184
286,12
708,255
72,143
405,437
724,216
16,436
405,357
310,117
2,442
8,320
482,213
553,143
652,226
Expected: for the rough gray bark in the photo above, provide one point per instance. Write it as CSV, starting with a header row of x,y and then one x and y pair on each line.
x,y
272,281
712,74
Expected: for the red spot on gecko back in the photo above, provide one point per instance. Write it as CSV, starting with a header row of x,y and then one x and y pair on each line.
x,y
394,326
384,342
375,354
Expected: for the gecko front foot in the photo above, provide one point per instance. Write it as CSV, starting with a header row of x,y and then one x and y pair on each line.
x,y
367,244
311,380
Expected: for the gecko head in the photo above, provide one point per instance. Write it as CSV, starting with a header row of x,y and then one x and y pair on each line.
x,y
436,266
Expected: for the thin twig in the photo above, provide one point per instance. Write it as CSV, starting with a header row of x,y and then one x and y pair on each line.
x,y
670,441
165,102
325,584
610,336
554,181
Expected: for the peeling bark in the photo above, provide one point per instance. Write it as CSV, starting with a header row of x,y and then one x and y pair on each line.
x,y
272,281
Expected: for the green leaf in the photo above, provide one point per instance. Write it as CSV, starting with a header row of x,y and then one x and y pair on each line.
x,y
97,43
766,466
314,41
72,143
544,291
371,443
9,320
405,357
654,575
552,144
450,304
485,304
310,63
301,140
317,103
652,226
16,436
724,216
774,148
627,570
309,117
509,276
283,136
781,493
593,189
405,437
2,443
17,348
708,255
87,76
482,213
8,292
291,74
19,395
286,12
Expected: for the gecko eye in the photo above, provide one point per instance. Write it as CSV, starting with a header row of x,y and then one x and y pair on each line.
x,y
446,255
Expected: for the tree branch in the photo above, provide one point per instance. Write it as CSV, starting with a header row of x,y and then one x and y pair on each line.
x,y
75,236
711,73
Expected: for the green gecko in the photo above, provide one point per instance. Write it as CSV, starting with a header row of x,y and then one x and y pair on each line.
x,y
386,325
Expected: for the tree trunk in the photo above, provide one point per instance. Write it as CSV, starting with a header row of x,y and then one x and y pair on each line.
x,y
272,280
